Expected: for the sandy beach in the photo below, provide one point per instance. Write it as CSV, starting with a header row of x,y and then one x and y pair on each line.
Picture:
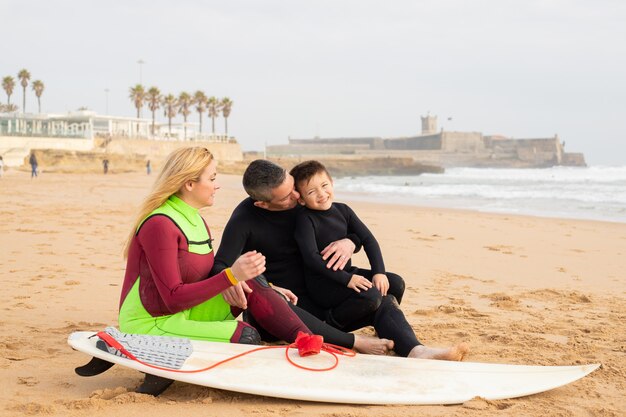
x,y
520,290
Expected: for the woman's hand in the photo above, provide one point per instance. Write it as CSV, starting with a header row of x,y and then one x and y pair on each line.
x,y
236,295
381,282
359,283
249,265
288,294
339,252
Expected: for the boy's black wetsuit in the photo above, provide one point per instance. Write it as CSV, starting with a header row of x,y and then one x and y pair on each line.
x,y
272,233
314,230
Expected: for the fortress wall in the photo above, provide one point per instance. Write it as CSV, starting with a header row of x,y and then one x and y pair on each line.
x,y
538,151
532,154
319,149
438,158
458,159
574,159
428,142
503,149
462,142
372,142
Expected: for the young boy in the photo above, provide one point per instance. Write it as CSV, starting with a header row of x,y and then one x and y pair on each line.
x,y
352,294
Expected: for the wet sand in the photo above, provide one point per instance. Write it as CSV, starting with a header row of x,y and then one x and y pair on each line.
x,y
519,290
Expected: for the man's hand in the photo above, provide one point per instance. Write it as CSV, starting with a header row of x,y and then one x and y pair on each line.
x,y
236,295
381,282
359,283
288,294
339,252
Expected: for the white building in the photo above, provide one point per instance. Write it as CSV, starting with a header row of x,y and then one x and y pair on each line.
x,y
88,124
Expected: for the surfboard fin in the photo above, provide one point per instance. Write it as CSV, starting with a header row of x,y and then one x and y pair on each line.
x,y
154,385
96,366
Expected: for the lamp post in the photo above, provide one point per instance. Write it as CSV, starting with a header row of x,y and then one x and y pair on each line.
x,y
140,62
106,92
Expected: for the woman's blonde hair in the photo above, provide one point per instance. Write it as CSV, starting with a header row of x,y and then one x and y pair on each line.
x,y
182,165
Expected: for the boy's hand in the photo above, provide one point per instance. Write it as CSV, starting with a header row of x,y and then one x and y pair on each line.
x,y
339,252
381,282
359,283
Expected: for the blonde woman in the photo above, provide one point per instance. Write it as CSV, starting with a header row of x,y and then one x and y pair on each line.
x,y
168,287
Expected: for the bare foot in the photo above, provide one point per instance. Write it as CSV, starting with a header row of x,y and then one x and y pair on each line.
x,y
454,353
372,345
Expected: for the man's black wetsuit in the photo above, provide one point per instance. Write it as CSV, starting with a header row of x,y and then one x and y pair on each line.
x,y
272,233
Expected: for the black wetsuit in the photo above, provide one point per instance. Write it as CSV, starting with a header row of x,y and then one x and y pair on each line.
x,y
349,309
271,233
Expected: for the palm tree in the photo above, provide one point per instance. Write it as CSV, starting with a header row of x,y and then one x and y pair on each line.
x,y
213,110
8,83
38,88
153,98
227,105
24,76
184,102
200,100
138,96
170,108
8,108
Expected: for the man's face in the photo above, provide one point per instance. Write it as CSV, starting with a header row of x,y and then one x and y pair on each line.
x,y
284,197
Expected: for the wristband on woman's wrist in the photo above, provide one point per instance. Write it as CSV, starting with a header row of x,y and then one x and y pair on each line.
x,y
231,277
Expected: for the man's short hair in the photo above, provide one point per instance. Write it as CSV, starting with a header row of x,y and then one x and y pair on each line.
x,y
304,171
261,177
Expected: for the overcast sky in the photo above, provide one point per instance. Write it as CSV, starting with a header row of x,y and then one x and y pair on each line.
x,y
527,68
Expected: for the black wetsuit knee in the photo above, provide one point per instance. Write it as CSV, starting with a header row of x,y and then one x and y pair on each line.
x,y
397,286
356,307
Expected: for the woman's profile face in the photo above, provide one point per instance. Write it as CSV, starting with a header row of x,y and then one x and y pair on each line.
x,y
201,193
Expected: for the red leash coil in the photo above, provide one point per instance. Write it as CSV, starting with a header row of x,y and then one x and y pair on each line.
x,y
306,344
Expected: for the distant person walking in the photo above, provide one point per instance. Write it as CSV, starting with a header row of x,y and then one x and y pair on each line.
x,y
1,167
148,167
105,165
33,165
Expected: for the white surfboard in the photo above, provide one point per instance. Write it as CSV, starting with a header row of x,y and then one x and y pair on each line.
x,y
362,379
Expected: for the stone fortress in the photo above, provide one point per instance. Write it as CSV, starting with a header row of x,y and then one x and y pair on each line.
x,y
439,148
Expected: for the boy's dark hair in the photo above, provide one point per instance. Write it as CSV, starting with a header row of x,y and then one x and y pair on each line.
x,y
261,177
304,171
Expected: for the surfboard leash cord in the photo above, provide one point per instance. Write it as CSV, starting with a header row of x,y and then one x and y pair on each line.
x,y
306,344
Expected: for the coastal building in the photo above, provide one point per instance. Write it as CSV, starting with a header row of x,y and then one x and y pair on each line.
x,y
85,130
88,124
442,148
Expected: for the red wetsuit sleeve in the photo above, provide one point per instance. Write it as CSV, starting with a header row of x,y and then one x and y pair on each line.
x,y
165,247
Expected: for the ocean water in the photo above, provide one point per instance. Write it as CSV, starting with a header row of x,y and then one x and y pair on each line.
x,y
595,193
